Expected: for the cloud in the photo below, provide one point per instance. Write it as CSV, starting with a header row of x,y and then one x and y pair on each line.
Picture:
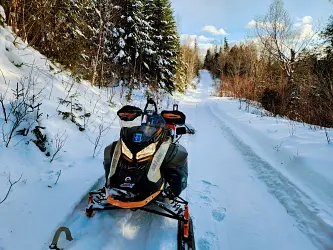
x,y
203,47
303,21
213,30
190,39
187,37
253,24
205,39
203,42
305,28
307,19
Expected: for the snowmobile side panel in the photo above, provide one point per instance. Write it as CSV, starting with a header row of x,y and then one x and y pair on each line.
x,y
176,168
108,153
154,173
115,159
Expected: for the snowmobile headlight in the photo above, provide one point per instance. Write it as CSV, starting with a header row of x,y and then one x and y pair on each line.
x,y
126,151
147,151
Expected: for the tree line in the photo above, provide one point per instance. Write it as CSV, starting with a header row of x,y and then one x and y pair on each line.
x,y
290,73
134,42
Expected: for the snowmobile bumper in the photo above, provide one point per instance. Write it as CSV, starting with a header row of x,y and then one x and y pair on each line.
x,y
134,204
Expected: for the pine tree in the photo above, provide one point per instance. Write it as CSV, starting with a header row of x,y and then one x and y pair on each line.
x,y
132,43
208,60
328,36
197,59
181,78
148,51
167,45
226,45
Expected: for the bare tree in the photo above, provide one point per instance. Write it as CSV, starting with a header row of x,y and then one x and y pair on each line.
x,y
59,142
10,187
102,131
2,98
278,36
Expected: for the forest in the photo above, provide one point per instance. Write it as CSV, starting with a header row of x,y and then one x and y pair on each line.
x,y
288,72
135,42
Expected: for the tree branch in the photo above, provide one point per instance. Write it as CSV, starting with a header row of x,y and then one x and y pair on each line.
x,y
10,187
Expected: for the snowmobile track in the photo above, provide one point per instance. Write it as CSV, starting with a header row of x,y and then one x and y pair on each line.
x,y
295,201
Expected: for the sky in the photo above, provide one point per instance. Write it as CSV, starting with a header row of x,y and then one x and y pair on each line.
x,y
212,20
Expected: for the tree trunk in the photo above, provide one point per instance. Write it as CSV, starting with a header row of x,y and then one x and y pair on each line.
x,y
99,47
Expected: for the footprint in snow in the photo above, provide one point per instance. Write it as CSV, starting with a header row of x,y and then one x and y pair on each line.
x,y
205,243
206,198
219,214
208,183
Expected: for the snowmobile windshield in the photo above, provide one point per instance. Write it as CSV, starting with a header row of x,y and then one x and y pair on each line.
x,y
148,120
143,128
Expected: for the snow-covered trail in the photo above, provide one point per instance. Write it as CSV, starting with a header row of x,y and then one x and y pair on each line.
x,y
237,200
232,208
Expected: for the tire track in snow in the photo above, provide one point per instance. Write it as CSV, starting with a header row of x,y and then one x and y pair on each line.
x,y
297,203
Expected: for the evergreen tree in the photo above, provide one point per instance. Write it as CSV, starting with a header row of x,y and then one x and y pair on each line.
x,y
197,59
125,51
328,36
149,47
167,45
181,77
133,46
226,45
208,60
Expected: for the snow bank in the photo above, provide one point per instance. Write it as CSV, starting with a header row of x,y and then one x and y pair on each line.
x,y
2,14
299,151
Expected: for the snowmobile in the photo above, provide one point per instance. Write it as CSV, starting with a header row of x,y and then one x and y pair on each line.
x,y
147,168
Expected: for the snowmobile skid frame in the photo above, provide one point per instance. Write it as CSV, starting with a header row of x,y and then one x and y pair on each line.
x,y
177,209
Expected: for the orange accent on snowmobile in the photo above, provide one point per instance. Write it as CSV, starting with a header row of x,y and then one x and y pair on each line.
x,y
186,224
130,115
90,198
135,204
126,158
145,159
171,116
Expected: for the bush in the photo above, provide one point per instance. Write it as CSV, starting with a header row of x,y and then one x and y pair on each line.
x,y
271,101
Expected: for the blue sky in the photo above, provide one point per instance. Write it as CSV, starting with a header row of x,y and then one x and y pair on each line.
x,y
209,20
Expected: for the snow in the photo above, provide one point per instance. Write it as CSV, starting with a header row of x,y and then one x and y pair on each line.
x,y
36,202
79,33
244,182
150,51
121,54
122,43
234,192
255,182
146,65
2,13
